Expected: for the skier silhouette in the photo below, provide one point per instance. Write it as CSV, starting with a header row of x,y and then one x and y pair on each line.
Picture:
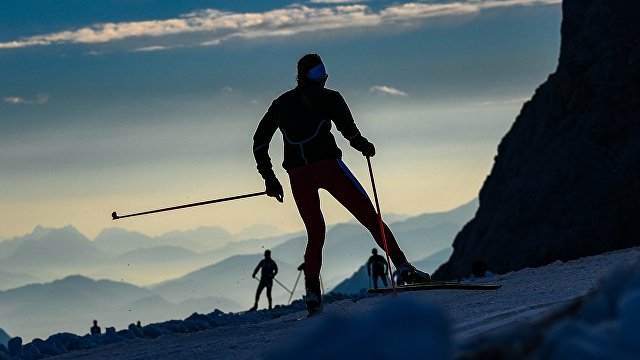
x,y
312,159
378,266
95,329
269,271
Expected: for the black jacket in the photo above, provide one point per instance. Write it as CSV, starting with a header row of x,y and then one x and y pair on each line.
x,y
269,269
376,264
304,116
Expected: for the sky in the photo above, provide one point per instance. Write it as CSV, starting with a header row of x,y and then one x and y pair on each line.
x,y
134,105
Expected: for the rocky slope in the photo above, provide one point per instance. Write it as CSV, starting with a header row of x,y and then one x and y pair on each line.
x,y
566,179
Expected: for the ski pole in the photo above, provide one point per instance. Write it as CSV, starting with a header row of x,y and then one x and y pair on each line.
x,y
384,237
276,280
115,216
289,291
294,287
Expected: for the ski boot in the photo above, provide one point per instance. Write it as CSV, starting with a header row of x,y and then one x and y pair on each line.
x,y
313,297
254,307
411,276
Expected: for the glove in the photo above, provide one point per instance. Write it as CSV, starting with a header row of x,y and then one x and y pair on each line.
x,y
274,189
364,146
368,150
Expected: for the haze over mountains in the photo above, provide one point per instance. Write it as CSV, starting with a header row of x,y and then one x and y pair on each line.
x,y
51,272
70,304
120,255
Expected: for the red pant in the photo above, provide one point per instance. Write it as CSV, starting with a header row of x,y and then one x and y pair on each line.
x,y
334,176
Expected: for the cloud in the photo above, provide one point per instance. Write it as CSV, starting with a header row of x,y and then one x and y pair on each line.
x,y
95,53
40,99
336,1
220,26
15,100
387,90
152,48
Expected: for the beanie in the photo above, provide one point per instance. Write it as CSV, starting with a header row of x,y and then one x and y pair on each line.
x,y
307,63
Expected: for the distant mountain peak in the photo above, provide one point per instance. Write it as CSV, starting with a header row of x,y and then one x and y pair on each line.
x,y
40,232
68,229
75,279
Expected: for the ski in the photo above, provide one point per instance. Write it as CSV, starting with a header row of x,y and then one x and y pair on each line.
x,y
437,285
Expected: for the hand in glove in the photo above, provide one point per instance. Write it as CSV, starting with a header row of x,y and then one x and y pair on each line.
x,y
364,146
274,189
368,150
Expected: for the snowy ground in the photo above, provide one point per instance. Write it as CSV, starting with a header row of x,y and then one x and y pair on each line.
x,y
546,312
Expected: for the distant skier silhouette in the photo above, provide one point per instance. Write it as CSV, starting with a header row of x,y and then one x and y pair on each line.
x,y
312,159
95,329
377,265
269,271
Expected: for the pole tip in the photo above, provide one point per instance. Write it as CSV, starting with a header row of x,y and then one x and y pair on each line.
x,y
114,216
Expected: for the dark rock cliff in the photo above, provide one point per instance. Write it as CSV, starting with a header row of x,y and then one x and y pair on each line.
x,y
566,180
